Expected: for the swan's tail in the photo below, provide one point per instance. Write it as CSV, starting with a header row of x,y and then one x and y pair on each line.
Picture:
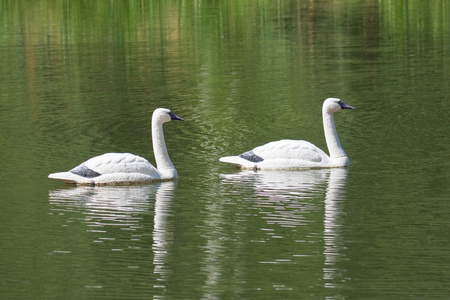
x,y
235,160
69,178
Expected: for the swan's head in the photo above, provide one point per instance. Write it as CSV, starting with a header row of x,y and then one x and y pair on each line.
x,y
163,115
332,105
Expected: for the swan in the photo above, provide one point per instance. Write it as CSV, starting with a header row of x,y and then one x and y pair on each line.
x,y
126,168
293,154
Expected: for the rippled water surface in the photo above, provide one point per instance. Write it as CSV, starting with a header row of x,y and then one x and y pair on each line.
x,y
81,79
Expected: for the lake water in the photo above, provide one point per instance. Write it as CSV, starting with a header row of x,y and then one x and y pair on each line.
x,y
78,79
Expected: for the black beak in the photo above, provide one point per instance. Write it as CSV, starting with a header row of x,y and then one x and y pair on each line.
x,y
175,117
345,106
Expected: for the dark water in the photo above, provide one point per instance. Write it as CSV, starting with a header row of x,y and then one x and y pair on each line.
x,y
81,79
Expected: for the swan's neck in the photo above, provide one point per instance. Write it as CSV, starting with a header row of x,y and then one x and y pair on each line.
x,y
333,144
163,162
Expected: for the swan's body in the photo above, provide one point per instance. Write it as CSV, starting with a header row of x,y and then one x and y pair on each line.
x,y
293,154
126,168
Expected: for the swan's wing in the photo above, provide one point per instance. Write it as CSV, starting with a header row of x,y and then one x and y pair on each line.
x,y
284,154
286,149
109,168
110,163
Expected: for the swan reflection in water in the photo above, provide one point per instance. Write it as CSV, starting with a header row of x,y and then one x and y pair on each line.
x,y
124,206
288,199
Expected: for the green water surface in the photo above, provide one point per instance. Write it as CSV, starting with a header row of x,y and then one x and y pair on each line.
x,y
81,78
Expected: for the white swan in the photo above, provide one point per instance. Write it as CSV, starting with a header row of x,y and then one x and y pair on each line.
x,y
292,154
126,168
